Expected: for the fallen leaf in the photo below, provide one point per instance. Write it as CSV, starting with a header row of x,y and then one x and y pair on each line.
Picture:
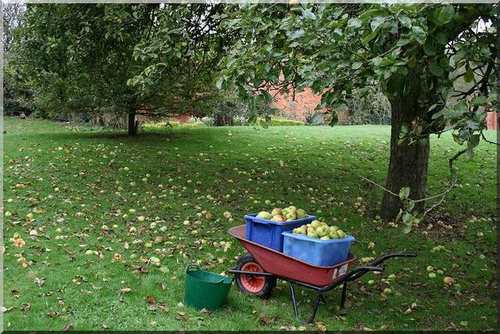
x,y
321,326
52,314
7,309
265,320
39,281
151,300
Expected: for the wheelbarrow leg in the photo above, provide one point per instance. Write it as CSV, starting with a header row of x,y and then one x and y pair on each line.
x,y
294,301
342,300
315,309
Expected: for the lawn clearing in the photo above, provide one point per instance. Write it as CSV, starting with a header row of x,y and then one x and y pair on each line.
x,y
96,210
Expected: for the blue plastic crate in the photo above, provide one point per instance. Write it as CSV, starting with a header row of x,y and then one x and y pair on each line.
x,y
317,252
269,233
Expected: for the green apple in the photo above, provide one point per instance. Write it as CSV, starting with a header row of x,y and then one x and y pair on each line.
x,y
264,215
315,223
301,213
278,218
325,238
292,208
333,234
311,233
291,216
300,230
276,211
322,231
341,234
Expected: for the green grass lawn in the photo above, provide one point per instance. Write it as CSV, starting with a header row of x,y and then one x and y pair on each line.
x,y
78,198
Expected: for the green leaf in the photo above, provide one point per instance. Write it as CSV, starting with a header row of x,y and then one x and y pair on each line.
x,y
429,48
354,23
443,15
436,69
441,38
469,76
405,21
480,100
219,83
407,228
404,193
407,217
297,34
367,38
403,42
377,22
356,65
419,34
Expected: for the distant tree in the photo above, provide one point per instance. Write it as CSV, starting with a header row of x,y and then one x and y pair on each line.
x,y
17,97
12,14
121,58
183,55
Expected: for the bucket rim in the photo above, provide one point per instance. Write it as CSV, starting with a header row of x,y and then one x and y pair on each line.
x,y
195,268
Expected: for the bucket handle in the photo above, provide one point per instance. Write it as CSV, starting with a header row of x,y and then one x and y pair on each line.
x,y
193,267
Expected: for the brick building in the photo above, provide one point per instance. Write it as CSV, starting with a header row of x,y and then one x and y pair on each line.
x,y
305,103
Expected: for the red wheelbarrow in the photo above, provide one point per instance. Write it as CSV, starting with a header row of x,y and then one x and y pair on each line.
x,y
256,272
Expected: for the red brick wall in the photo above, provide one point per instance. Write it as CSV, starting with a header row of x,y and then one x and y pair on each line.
x,y
182,118
491,120
305,101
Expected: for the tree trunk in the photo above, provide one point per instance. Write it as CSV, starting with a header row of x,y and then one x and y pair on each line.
x,y
132,123
408,162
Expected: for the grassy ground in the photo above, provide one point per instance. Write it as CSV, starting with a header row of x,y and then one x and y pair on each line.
x,y
77,200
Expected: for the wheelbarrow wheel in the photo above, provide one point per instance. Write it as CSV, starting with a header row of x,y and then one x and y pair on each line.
x,y
260,286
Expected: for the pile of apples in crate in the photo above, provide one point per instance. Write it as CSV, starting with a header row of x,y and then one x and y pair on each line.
x,y
316,229
283,215
320,230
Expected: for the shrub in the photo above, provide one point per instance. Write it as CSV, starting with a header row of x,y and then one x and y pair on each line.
x,y
279,122
368,106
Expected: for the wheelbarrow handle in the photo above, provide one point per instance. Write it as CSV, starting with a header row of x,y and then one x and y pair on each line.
x,y
369,268
382,258
360,271
374,265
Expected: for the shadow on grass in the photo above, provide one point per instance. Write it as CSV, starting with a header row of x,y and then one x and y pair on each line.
x,y
113,135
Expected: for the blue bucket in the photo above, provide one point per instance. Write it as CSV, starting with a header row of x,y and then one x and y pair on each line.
x,y
269,233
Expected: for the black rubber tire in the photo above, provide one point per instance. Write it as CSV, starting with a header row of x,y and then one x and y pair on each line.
x,y
270,282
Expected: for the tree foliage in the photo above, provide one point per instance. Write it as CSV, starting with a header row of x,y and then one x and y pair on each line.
x,y
415,53
334,49
78,57
17,97
121,58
